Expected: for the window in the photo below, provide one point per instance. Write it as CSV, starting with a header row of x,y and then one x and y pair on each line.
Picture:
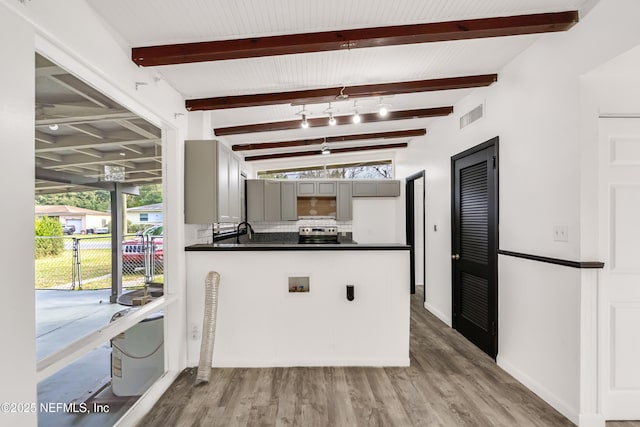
x,y
144,217
380,169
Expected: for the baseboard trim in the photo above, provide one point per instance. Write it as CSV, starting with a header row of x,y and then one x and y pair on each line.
x,y
218,363
544,393
438,313
592,420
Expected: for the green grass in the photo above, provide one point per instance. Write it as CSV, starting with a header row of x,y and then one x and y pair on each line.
x,y
94,263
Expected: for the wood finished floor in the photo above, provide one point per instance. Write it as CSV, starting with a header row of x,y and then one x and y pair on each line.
x,y
449,383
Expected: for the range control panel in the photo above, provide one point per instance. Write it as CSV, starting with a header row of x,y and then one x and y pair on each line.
x,y
318,234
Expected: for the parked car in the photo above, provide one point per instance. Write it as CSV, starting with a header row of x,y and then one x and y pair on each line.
x,y
68,229
156,230
101,230
133,250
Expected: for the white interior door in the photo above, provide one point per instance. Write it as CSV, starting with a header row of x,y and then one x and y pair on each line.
x,y
619,201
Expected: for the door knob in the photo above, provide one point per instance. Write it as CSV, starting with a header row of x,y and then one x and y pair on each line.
x,y
455,257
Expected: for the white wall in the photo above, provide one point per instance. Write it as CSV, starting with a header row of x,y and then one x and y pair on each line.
x,y
535,110
375,220
259,323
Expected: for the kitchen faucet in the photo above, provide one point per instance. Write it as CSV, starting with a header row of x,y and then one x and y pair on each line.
x,y
247,227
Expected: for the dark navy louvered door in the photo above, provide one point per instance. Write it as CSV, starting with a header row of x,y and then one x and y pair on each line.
x,y
475,244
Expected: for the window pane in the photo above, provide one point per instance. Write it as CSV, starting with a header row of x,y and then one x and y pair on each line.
x,y
382,169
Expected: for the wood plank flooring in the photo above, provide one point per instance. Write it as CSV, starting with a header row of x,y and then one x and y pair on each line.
x,y
449,383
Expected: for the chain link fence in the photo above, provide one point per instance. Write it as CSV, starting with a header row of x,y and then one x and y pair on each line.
x,y
69,262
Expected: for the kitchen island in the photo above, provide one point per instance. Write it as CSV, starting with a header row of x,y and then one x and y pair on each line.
x,y
260,323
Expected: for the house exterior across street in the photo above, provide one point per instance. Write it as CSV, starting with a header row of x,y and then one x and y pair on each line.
x,y
84,220
145,215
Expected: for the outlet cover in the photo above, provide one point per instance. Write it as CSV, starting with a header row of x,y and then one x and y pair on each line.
x,y
560,233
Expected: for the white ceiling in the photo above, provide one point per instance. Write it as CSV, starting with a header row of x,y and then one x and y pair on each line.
x,y
156,22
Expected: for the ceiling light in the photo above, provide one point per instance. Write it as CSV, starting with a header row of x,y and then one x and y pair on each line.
x,y
356,116
122,153
383,109
324,149
53,127
304,113
330,111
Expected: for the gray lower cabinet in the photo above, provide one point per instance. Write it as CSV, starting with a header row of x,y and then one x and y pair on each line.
x,y
344,203
211,183
263,200
378,188
288,201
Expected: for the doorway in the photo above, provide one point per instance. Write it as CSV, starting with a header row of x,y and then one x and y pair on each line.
x,y
474,244
415,229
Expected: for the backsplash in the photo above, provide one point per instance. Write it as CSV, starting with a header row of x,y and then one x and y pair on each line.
x,y
292,226
202,234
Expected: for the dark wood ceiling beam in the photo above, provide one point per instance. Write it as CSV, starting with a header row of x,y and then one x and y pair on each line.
x,y
315,96
318,153
340,120
329,139
185,53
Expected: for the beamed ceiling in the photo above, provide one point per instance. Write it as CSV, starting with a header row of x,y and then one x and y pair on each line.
x,y
255,68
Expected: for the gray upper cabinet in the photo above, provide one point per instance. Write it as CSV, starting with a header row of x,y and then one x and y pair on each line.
x,y
388,188
255,200
381,188
289,201
278,200
263,200
211,183
344,203
326,188
316,188
272,206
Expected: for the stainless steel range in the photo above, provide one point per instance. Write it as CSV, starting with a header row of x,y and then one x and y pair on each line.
x,y
318,234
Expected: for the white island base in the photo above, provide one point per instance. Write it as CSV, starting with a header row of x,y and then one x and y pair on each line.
x,y
261,324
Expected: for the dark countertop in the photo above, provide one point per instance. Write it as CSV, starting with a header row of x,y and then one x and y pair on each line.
x,y
296,247
289,242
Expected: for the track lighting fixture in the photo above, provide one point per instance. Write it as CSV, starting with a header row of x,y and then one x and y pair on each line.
x,y
356,116
383,109
332,120
304,113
